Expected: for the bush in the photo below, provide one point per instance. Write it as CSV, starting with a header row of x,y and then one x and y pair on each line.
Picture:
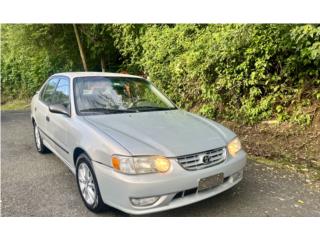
x,y
30,54
239,72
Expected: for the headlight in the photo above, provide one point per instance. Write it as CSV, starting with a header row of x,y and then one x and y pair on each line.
x,y
140,165
234,146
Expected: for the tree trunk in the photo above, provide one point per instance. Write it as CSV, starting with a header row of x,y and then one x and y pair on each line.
x,y
83,59
103,64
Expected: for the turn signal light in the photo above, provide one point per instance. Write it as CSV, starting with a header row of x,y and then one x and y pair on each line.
x,y
115,163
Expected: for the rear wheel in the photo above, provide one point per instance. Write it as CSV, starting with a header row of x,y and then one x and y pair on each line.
x,y
88,185
41,148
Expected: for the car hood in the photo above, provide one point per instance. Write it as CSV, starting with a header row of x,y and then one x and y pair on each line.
x,y
168,133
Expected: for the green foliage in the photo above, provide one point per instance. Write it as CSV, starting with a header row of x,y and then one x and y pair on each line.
x,y
242,72
99,45
239,72
127,39
31,53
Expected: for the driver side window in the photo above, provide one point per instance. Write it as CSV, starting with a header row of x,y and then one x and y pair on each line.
x,y
47,94
62,92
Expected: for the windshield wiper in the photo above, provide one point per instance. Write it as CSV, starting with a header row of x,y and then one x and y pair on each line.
x,y
152,108
108,110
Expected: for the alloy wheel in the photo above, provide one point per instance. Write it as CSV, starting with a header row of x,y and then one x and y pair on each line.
x,y
86,184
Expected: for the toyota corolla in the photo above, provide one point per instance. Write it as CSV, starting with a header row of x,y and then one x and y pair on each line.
x,y
129,146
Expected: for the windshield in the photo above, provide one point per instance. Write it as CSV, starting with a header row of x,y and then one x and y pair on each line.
x,y
118,95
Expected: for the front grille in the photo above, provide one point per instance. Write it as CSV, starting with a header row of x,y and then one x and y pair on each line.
x,y
192,191
185,193
203,160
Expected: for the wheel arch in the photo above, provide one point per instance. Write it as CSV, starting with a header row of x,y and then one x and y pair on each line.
x,y
77,152
33,121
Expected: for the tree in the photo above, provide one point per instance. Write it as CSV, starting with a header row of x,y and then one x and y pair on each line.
x,y
83,59
31,53
100,44
241,72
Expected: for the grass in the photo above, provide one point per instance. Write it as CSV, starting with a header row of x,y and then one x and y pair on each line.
x,y
15,105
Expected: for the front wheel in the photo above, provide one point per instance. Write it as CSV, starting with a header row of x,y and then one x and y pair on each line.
x,y
88,185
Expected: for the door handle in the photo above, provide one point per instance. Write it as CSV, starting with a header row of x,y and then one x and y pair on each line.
x,y
48,119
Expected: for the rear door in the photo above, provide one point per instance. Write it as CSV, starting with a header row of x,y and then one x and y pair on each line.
x,y
41,107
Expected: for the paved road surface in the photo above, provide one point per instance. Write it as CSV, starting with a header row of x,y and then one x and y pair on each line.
x,y
40,185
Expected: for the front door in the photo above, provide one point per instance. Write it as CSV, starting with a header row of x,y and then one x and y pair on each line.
x,y
57,124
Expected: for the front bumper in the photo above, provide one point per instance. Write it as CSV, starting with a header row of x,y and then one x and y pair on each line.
x,y
116,189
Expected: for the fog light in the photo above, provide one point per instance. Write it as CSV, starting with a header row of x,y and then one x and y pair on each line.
x,y
141,202
238,175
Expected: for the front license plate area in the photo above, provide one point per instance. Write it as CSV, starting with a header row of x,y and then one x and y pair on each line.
x,y
210,182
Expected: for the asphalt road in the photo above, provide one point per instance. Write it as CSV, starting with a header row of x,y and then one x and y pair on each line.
x,y
41,185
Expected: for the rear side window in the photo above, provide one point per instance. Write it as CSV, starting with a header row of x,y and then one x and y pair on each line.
x,y
61,94
49,90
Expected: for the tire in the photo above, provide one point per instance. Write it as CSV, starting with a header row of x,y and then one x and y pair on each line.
x,y
41,148
88,185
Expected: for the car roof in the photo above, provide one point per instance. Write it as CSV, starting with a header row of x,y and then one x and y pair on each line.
x,y
93,74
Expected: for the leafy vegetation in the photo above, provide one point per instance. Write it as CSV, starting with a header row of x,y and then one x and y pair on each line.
x,y
241,72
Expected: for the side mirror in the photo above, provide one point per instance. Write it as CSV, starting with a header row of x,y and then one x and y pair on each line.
x,y
59,108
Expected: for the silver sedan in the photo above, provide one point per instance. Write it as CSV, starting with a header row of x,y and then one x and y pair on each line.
x,y
129,146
